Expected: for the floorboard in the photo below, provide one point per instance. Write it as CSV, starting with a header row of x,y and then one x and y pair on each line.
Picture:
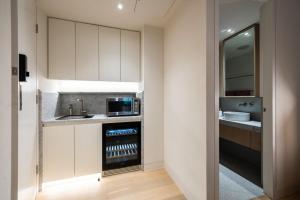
x,y
150,185
131,186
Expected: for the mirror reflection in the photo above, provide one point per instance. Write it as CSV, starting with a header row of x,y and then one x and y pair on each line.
x,y
240,65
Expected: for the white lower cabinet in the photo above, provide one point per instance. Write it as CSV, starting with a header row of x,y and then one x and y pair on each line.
x,y
72,150
58,153
88,149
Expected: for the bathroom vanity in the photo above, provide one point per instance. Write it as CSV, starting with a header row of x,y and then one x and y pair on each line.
x,y
247,134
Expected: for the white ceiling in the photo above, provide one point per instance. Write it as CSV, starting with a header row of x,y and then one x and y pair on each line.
x,y
105,12
238,14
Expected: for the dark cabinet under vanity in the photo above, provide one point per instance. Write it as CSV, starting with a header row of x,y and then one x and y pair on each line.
x,y
121,146
243,137
240,151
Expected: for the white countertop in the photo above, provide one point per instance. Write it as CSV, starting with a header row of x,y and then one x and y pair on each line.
x,y
95,119
250,125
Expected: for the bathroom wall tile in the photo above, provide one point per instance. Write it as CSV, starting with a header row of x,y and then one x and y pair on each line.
x,y
254,105
94,103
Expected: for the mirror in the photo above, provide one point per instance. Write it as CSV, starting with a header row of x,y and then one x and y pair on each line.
x,y
241,63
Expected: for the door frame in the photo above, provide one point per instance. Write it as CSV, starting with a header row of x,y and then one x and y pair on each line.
x,y
14,100
212,110
212,98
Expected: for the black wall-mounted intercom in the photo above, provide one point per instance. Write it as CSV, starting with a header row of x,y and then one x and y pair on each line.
x,y
23,73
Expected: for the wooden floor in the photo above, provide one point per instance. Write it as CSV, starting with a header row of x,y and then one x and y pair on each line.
x,y
151,185
154,185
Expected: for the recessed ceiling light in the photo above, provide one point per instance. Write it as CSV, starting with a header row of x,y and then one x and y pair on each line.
x,y
230,30
120,6
247,34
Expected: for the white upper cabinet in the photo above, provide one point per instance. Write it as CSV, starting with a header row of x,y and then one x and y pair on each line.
x,y
109,54
61,49
79,51
88,156
130,56
87,52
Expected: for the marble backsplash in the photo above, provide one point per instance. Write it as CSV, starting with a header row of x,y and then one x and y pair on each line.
x,y
49,105
253,105
57,104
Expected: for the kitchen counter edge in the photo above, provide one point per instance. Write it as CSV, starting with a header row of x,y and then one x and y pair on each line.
x,y
94,120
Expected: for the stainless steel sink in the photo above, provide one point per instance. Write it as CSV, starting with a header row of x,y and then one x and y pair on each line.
x,y
71,117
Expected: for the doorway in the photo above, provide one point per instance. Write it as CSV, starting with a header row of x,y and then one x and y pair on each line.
x,y
236,22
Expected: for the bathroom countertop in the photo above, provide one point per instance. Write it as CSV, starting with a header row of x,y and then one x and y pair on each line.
x,y
95,119
250,125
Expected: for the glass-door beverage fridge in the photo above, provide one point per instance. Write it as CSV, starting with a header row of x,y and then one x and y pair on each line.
x,y
121,146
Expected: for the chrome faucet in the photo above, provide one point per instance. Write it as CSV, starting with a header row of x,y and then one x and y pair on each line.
x,y
70,109
82,110
243,104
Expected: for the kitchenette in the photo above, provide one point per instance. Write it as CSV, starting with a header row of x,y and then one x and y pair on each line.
x,y
91,122
89,133
149,99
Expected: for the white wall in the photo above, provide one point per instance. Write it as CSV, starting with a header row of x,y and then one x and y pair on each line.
x,y
152,45
27,137
185,98
5,103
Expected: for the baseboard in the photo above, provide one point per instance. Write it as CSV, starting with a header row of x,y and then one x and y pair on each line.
x,y
183,188
153,166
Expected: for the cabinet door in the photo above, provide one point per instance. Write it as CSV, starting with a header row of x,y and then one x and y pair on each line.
x,y
58,153
86,52
256,141
130,56
109,54
88,157
237,135
61,49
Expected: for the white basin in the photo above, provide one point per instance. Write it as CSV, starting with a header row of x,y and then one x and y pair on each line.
x,y
237,116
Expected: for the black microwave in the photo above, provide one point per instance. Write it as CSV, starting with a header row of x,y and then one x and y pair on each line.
x,y
122,106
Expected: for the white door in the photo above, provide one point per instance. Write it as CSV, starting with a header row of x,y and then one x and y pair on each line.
x,y
86,52
88,157
58,153
130,56
109,54
61,49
